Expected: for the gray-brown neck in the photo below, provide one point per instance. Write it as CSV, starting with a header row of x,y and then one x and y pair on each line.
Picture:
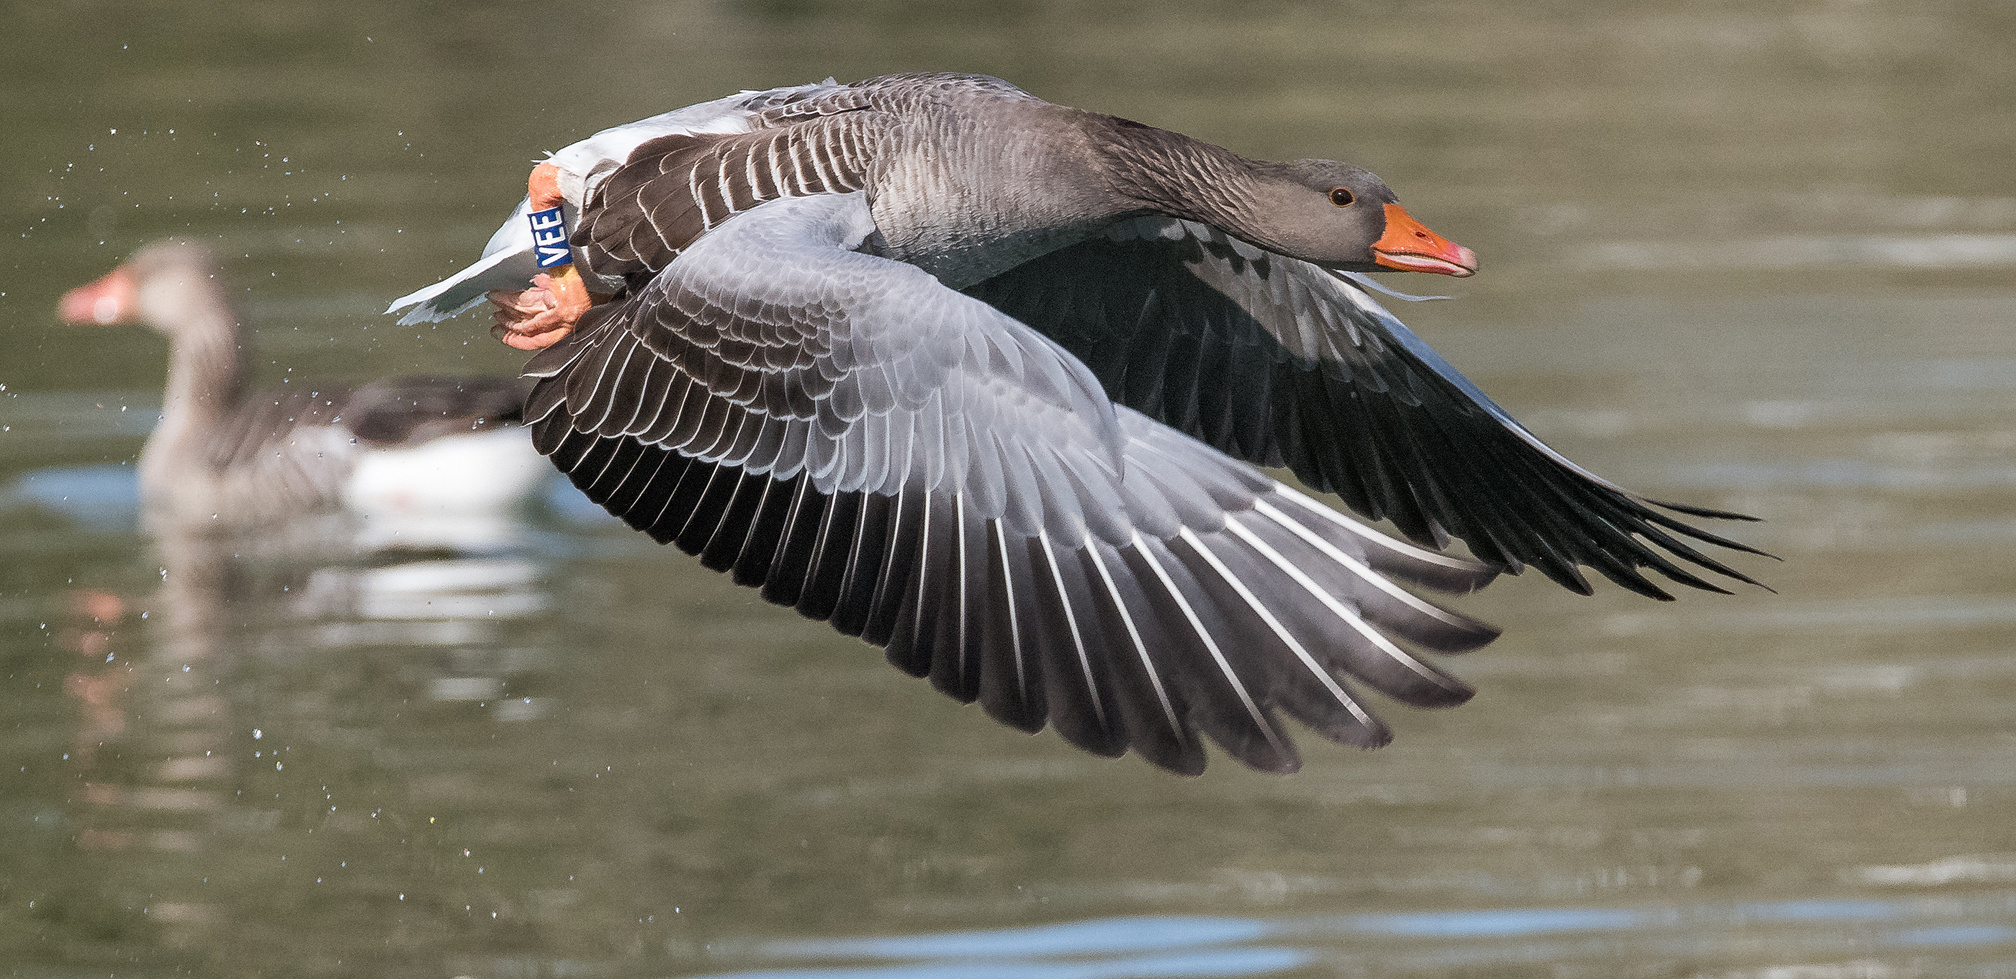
x,y
205,376
967,194
1163,172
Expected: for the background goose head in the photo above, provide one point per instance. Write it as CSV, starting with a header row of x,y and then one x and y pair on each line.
x,y
1344,217
170,286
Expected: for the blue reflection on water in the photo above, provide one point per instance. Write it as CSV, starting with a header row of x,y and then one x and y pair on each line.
x,y
1121,948
1238,962
1517,921
106,497
1074,938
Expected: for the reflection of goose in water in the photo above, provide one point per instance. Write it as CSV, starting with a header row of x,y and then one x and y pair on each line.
x,y
984,380
366,554
415,445
194,699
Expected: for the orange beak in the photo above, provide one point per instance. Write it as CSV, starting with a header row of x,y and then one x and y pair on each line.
x,y
111,299
1409,246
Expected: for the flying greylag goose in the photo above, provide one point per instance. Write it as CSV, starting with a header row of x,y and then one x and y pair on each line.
x,y
223,451
984,380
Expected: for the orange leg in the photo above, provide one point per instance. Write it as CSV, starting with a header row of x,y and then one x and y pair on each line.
x,y
530,319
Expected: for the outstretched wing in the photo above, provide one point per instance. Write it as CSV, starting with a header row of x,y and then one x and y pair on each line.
x,y
1280,362
931,475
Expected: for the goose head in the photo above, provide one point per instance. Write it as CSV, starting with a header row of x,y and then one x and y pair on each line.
x,y
168,286
1344,217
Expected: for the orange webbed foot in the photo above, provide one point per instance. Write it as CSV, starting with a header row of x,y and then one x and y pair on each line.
x,y
535,318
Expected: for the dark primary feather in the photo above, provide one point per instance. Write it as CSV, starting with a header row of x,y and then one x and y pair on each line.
x,y
1278,362
411,410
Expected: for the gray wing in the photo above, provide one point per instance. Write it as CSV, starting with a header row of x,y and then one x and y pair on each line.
x,y
290,451
281,451
407,411
931,475
1282,363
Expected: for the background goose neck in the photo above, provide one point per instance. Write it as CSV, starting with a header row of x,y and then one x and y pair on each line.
x,y
205,385
205,366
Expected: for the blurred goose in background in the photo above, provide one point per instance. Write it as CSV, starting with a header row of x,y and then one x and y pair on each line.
x,y
985,380
401,445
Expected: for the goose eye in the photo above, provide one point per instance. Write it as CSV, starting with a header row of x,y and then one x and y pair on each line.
x,y
1342,197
